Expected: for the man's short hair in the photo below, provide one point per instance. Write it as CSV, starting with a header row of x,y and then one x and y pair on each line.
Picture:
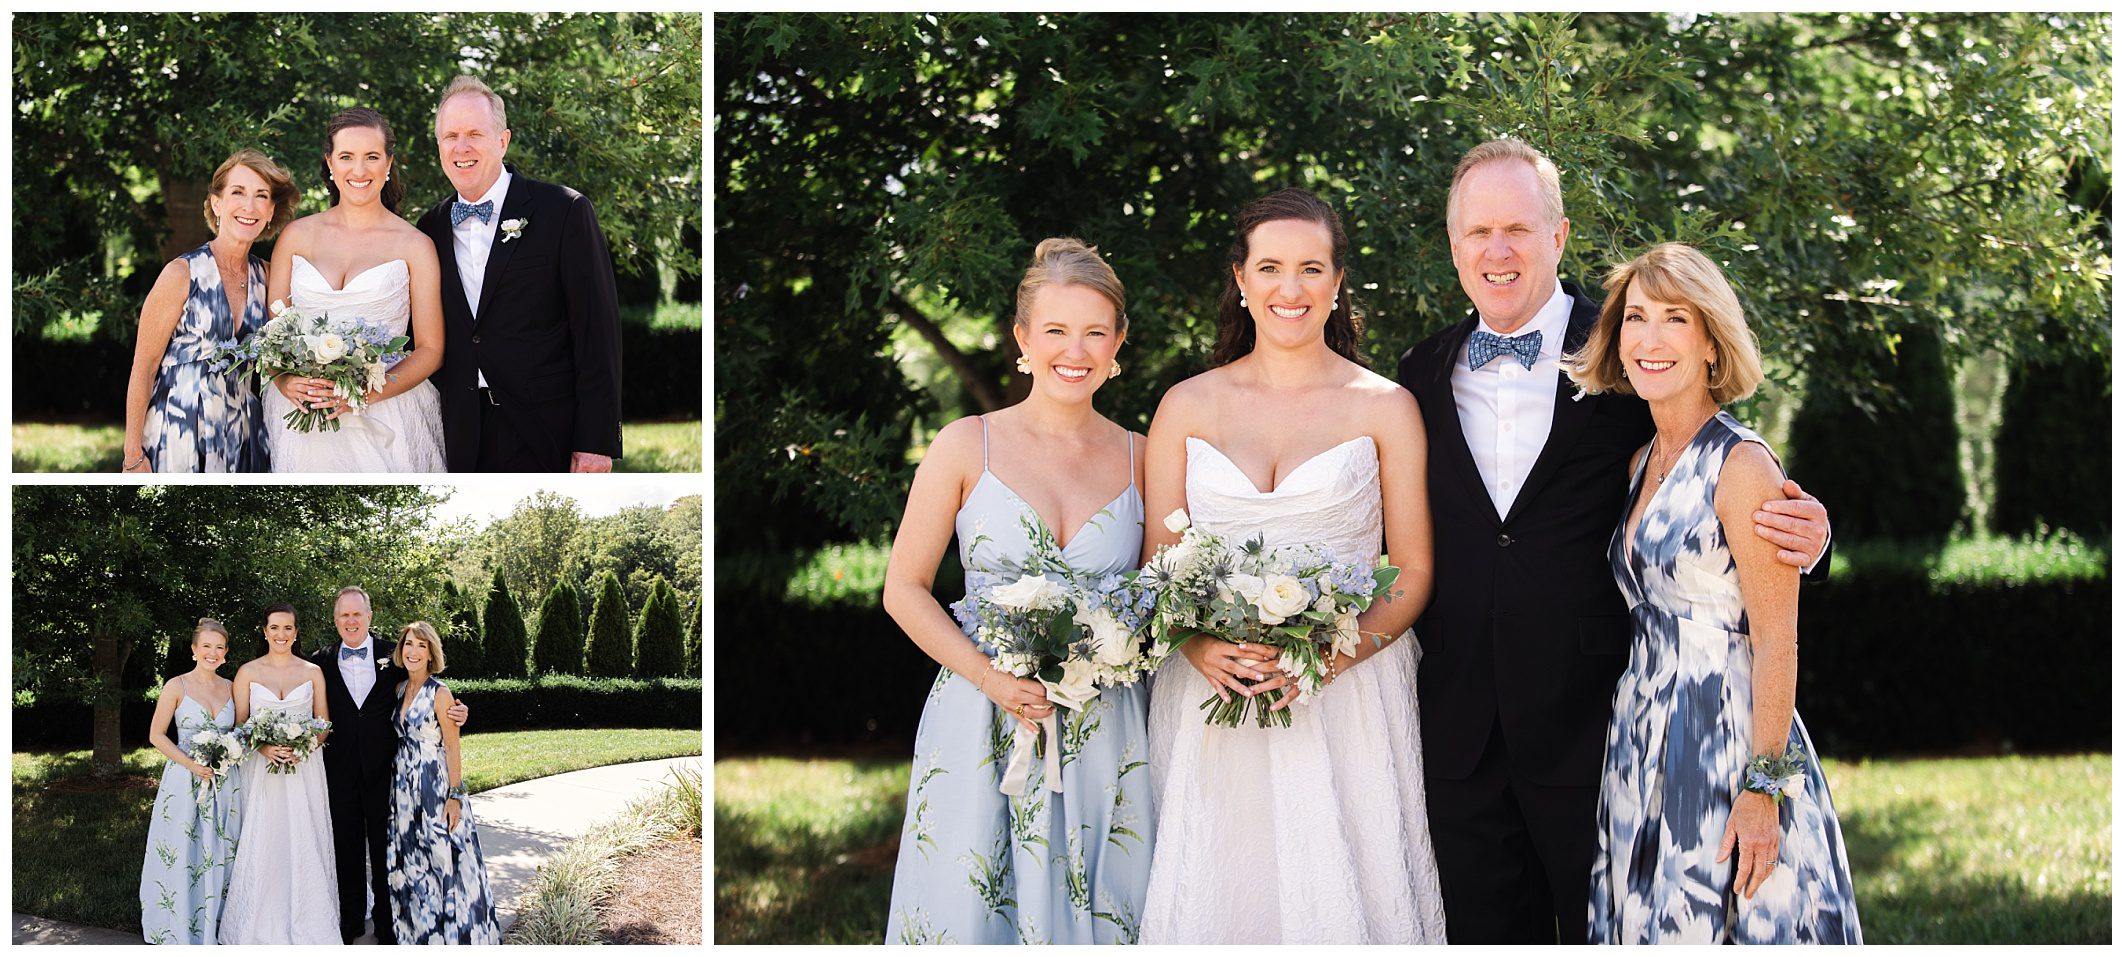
x,y
471,84
354,590
1507,148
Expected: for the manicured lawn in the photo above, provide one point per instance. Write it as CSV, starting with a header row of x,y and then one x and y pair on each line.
x,y
67,447
79,843
1976,850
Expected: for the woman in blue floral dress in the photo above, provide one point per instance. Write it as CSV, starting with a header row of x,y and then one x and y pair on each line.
x,y
1715,823
1066,860
438,879
181,413
197,816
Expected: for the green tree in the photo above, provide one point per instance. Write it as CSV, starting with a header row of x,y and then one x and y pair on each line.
x,y
1887,469
503,652
611,653
2052,456
467,647
693,641
659,638
559,647
536,544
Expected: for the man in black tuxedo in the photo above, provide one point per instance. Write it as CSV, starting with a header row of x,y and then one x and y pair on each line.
x,y
361,682
530,377
1526,632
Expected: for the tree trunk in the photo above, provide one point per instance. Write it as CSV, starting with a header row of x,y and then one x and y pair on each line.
x,y
977,386
183,202
110,655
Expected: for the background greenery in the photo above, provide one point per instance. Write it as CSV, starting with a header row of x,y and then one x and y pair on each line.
x,y
109,579
120,118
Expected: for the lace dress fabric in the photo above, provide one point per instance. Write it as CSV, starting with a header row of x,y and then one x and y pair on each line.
x,y
1679,740
281,890
1315,833
400,434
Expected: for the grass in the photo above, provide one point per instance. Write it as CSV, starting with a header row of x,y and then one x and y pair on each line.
x,y
1964,850
73,447
562,906
63,818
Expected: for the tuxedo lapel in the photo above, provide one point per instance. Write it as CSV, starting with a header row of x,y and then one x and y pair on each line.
x,y
514,206
1572,413
446,257
1452,451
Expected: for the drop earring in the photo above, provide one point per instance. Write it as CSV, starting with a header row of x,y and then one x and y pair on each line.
x,y
1115,371
1335,303
1024,366
1242,300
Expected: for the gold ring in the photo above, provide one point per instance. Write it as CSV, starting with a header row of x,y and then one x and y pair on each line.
x,y
1021,711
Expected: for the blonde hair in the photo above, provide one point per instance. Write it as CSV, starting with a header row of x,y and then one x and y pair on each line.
x,y
1508,148
426,633
282,186
1063,261
471,84
210,624
1672,272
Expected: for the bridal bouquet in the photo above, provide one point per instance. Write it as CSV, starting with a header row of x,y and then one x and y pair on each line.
x,y
353,354
217,751
1295,600
270,730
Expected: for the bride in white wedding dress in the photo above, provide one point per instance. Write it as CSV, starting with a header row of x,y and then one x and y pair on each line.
x,y
281,888
1317,832
359,259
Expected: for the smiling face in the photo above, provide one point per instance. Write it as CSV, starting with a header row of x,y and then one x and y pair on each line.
x,y
471,144
359,163
1504,245
244,205
1070,335
350,616
413,652
210,648
1665,347
280,633
1289,280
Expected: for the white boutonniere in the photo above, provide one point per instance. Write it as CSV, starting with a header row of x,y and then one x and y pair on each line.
x,y
1581,394
513,228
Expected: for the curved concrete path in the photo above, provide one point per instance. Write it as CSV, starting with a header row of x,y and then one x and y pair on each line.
x,y
519,827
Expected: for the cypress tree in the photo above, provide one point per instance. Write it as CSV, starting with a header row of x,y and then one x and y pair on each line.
x,y
659,639
693,641
2051,457
611,653
504,638
559,649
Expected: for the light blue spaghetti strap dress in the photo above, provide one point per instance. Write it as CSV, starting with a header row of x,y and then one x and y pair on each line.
x,y
198,419
979,867
1679,739
191,839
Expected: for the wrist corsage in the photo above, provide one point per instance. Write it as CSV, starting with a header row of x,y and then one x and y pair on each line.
x,y
1776,776
457,792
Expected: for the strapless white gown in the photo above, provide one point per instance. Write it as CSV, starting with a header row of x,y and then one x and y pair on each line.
x,y
400,434
1315,833
283,888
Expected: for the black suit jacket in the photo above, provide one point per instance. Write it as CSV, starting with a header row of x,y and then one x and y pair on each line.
x,y
547,332
363,739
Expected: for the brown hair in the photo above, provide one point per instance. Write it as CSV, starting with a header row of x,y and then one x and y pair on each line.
x,y
1064,261
285,195
426,633
1508,148
1235,326
394,188
210,624
1672,272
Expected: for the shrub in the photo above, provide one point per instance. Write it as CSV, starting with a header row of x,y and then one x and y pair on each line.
x,y
559,650
2051,456
1893,472
467,648
504,644
561,907
659,641
611,642
693,642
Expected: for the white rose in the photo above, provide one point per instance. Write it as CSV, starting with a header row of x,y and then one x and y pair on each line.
x,y
1029,593
1281,597
1112,644
325,347
1246,588
1177,522
1076,687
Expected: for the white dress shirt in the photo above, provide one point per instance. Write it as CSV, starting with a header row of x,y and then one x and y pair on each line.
x,y
360,673
1506,408
474,241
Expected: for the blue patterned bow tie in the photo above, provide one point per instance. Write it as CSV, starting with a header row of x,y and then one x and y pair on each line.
x,y
1484,346
461,211
346,652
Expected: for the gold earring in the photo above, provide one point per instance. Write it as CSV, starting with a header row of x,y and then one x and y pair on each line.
x,y
1115,371
1024,365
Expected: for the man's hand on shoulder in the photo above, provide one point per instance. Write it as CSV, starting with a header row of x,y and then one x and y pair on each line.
x,y
590,462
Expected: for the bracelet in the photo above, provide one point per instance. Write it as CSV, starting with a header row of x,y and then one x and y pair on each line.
x,y
1332,670
1773,776
129,466
457,792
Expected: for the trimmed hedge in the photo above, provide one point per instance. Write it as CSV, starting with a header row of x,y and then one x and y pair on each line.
x,y
1897,656
498,704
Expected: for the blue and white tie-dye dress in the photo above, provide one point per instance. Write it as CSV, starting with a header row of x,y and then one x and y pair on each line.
x,y
1679,739
199,419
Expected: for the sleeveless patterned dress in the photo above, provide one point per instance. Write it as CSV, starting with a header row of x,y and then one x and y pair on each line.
x,y
200,420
